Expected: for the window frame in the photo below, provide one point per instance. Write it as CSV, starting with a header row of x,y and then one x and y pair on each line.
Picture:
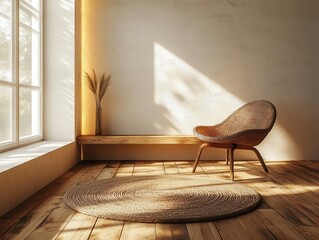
x,y
15,84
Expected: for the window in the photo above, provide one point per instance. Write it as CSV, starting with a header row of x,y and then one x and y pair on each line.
x,y
20,72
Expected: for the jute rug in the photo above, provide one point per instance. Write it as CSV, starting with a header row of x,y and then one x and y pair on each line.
x,y
162,199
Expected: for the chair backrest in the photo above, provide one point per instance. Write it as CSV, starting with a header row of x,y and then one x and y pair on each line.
x,y
257,115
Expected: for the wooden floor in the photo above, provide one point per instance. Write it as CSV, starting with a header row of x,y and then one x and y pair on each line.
x,y
290,207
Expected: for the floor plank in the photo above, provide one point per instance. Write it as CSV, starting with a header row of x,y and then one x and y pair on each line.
x,y
52,225
6,224
254,227
203,231
163,231
137,231
126,169
278,225
32,220
231,229
79,227
107,229
310,232
109,171
170,168
179,232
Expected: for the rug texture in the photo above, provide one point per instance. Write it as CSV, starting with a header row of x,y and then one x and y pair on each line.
x,y
162,199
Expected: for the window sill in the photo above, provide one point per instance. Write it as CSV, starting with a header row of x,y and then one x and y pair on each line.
x,y
16,157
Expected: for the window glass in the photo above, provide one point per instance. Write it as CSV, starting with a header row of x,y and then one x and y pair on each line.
x,y
5,50
33,3
20,75
29,57
5,7
6,114
29,113
29,18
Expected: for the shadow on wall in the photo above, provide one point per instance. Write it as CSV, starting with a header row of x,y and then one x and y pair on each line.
x,y
67,36
59,69
177,64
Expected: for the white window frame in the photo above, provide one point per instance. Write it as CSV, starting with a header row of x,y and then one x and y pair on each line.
x,y
15,83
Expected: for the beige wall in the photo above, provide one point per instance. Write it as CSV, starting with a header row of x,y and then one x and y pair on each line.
x,y
176,64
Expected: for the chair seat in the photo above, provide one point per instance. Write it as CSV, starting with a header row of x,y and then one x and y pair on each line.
x,y
243,129
220,135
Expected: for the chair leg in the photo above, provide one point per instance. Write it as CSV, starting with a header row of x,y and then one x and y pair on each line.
x,y
260,159
227,156
199,152
231,158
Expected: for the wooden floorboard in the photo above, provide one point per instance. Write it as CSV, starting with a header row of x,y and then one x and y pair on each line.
x,y
289,208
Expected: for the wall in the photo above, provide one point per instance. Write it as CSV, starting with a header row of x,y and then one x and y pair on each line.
x,y
177,64
59,70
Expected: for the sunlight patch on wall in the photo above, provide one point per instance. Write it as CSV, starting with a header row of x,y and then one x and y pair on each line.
x,y
189,97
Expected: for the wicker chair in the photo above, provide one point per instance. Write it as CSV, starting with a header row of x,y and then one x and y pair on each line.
x,y
243,129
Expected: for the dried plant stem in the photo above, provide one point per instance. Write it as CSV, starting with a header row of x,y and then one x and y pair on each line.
x,y
98,86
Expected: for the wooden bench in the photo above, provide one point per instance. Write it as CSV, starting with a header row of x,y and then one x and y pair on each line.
x,y
137,139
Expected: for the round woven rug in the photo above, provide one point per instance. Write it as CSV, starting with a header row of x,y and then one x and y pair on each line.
x,y
162,199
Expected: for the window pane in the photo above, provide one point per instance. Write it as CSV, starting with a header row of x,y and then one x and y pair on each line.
x,y
29,113
5,7
30,19
34,3
5,49
29,57
6,114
